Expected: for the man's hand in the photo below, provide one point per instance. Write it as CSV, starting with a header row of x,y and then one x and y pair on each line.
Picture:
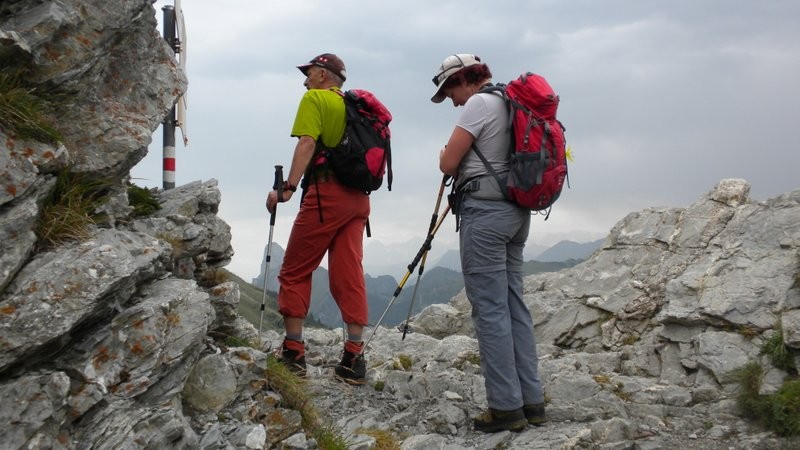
x,y
272,199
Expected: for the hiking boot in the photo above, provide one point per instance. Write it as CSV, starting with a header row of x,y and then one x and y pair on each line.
x,y
535,414
293,360
352,369
494,420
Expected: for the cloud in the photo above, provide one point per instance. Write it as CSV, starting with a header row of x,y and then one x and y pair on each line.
x,y
661,100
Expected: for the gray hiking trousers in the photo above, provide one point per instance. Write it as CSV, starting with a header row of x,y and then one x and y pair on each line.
x,y
492,237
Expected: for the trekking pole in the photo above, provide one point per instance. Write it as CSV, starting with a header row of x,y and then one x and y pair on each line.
x,y
425,247
278,186
434,219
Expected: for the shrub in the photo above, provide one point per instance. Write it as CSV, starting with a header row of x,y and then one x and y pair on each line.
x,y
784,408
142,201
779,412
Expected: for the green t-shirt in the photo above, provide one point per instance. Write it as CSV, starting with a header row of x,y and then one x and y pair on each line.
x,y
321,115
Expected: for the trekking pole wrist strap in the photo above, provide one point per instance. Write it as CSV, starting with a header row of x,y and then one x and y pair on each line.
x,y
287,186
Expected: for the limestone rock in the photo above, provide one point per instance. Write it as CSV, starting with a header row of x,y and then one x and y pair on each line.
x,y
120,340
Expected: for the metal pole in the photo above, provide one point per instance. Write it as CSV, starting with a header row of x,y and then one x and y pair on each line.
x,y
277,186
434,219
168,124
422,251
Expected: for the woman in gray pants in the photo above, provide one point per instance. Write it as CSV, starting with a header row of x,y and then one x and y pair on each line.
x,y
492,236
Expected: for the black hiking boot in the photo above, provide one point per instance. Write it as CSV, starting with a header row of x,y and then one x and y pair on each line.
x,y
494,420
293,360
535,414
352,369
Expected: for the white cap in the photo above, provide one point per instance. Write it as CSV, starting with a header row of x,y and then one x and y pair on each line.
x,y
451,65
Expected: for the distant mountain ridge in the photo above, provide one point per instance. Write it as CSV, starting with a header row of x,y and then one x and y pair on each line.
x,y
451,260
441,280
276,260
566,250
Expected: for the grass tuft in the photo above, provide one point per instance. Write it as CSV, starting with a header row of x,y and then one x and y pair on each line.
x,y
69,211
22,110
384,440
778,352
329,438
467,358
234,341
295,395
402,362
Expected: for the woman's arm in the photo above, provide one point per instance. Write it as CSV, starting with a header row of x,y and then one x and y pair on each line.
x,y
451,155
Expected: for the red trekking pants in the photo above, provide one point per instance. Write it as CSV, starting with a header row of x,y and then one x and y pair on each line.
x,y
340,234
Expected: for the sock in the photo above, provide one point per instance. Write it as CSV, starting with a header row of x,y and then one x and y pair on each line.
x,y
353,346
294,344
295,337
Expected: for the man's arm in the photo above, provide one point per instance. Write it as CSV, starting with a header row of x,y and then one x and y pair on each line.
x,y
303,152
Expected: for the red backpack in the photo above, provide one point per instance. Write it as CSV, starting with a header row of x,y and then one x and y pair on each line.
x,y
538,164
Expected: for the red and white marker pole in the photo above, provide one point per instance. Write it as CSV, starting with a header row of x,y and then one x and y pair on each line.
x,y
169,151
168,125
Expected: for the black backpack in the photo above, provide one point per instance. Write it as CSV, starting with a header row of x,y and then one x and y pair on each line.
x,y
363,156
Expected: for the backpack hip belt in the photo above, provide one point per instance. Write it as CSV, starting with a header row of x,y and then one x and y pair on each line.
x,y
484,187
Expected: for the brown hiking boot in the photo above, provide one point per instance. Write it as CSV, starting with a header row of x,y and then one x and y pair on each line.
x,y
535,414
292,359
494,420
352,369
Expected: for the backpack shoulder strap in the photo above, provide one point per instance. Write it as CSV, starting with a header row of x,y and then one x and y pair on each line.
x,y
499,89
490,88
495,175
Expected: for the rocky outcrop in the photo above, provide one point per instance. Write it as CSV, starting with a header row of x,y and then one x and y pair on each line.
x,y
106,67
642,341
128,337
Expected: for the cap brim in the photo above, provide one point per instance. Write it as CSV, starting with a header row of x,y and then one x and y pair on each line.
x,y
304,68
439,96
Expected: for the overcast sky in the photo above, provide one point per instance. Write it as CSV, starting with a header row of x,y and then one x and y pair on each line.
x,y
660,99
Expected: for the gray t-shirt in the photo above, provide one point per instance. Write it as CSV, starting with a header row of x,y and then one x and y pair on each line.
x,y
485,117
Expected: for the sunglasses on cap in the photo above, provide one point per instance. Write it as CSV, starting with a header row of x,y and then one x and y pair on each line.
x,y
460,65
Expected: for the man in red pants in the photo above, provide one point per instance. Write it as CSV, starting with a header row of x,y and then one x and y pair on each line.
x,y
331,219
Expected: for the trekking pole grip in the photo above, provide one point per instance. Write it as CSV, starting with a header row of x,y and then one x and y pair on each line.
x,y
278,186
